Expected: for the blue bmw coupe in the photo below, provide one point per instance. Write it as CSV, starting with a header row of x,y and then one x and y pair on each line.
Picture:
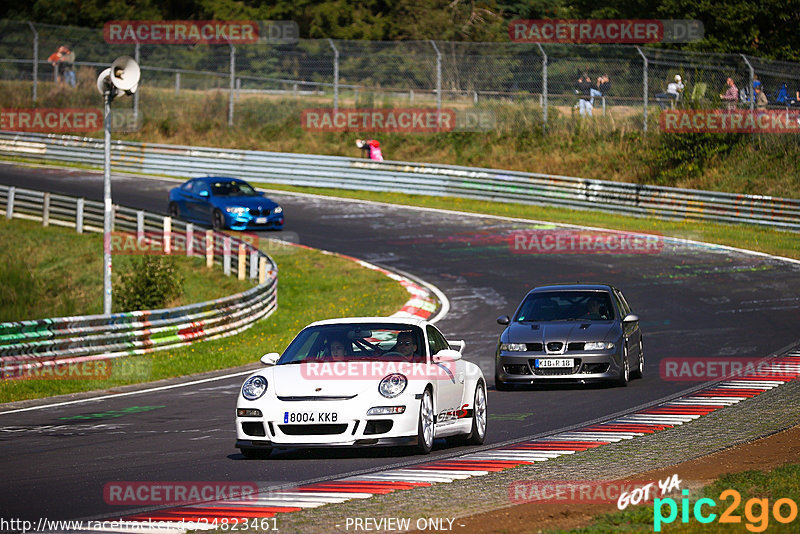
x,y
224,203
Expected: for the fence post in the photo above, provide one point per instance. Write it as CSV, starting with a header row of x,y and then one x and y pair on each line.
x,y
253,265
262,270
644,82
544,85
136,94
355,97
189,239
167,236
233,76
335,76
226,255
139,226
438,83
35,60
10,202
177,83
752,79
46,210
79,216
242,262
209,248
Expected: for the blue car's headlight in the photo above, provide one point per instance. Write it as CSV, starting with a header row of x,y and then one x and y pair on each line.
x,y
393,385
277,210
254,387
236,210
598,345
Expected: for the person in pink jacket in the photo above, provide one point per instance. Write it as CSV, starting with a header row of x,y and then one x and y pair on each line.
x,y
371,148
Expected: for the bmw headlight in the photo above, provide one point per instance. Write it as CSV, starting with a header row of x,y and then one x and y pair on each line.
x,y
513,347
236,210
393,385
278,210
598,345
254,387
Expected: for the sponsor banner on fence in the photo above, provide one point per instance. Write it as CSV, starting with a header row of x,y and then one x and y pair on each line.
x,y
730,121
55,370
574,241
48,120
622,31
704,369
176,493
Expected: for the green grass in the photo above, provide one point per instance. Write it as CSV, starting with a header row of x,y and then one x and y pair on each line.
x,y
55,272
312,286
780,483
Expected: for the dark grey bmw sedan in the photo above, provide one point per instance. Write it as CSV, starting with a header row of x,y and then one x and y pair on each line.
x,y
570,333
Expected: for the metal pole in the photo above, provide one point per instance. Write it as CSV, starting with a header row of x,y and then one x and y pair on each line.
x,y
233,75
438,82
136,94
544,84
335,76
752,80
644,81
35,60
107,202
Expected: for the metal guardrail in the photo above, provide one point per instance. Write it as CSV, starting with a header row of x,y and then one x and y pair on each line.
x,y
429,179
30,345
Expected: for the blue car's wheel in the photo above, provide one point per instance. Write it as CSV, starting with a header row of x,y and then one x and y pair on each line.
x,y
218,220
174,211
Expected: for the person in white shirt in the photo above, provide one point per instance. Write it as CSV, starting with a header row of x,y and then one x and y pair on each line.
x,y
674,90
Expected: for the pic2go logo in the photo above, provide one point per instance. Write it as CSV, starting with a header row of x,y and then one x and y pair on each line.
x,y
756,511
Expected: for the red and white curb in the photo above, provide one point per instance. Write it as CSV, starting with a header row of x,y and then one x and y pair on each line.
x,y
646,421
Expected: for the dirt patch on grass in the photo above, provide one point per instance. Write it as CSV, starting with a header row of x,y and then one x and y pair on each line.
x,y
764,455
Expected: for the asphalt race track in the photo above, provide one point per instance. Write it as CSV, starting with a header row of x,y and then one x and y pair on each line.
x,y
693,302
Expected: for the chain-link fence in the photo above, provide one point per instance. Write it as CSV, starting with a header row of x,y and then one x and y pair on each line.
x,y
522,85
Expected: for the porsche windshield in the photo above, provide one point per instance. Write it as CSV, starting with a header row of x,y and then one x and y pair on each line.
x,y
338,342
566,306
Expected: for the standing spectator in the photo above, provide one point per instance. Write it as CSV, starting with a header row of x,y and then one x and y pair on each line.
x,y
55,61
761,98
673,94
370,148
583,88
600,88
68,64
731,96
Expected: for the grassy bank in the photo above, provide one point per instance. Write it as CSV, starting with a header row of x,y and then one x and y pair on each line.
x,y
610,147
55,272
313,286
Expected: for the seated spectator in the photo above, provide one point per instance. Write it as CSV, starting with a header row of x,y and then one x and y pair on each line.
x,y
673,94
731,95
761,98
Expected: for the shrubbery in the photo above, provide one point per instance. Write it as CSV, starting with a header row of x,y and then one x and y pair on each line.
x,y
150,282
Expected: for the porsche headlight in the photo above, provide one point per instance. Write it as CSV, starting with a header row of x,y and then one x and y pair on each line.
x,y
598,345
236,210
513,347
254,387
393,385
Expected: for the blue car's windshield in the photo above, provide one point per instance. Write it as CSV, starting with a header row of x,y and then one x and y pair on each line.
x,y
566,306
232,189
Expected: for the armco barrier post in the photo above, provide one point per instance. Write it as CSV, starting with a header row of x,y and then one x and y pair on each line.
x,y
46,210
189,239
139,226
242,262
167,232
10,202
209,248
262,270
79,216
253,265
226,255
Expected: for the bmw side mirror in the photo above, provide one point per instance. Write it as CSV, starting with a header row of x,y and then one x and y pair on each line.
x,y
630,318
503,319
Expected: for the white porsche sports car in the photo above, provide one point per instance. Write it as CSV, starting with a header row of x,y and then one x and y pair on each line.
x,y
359,382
